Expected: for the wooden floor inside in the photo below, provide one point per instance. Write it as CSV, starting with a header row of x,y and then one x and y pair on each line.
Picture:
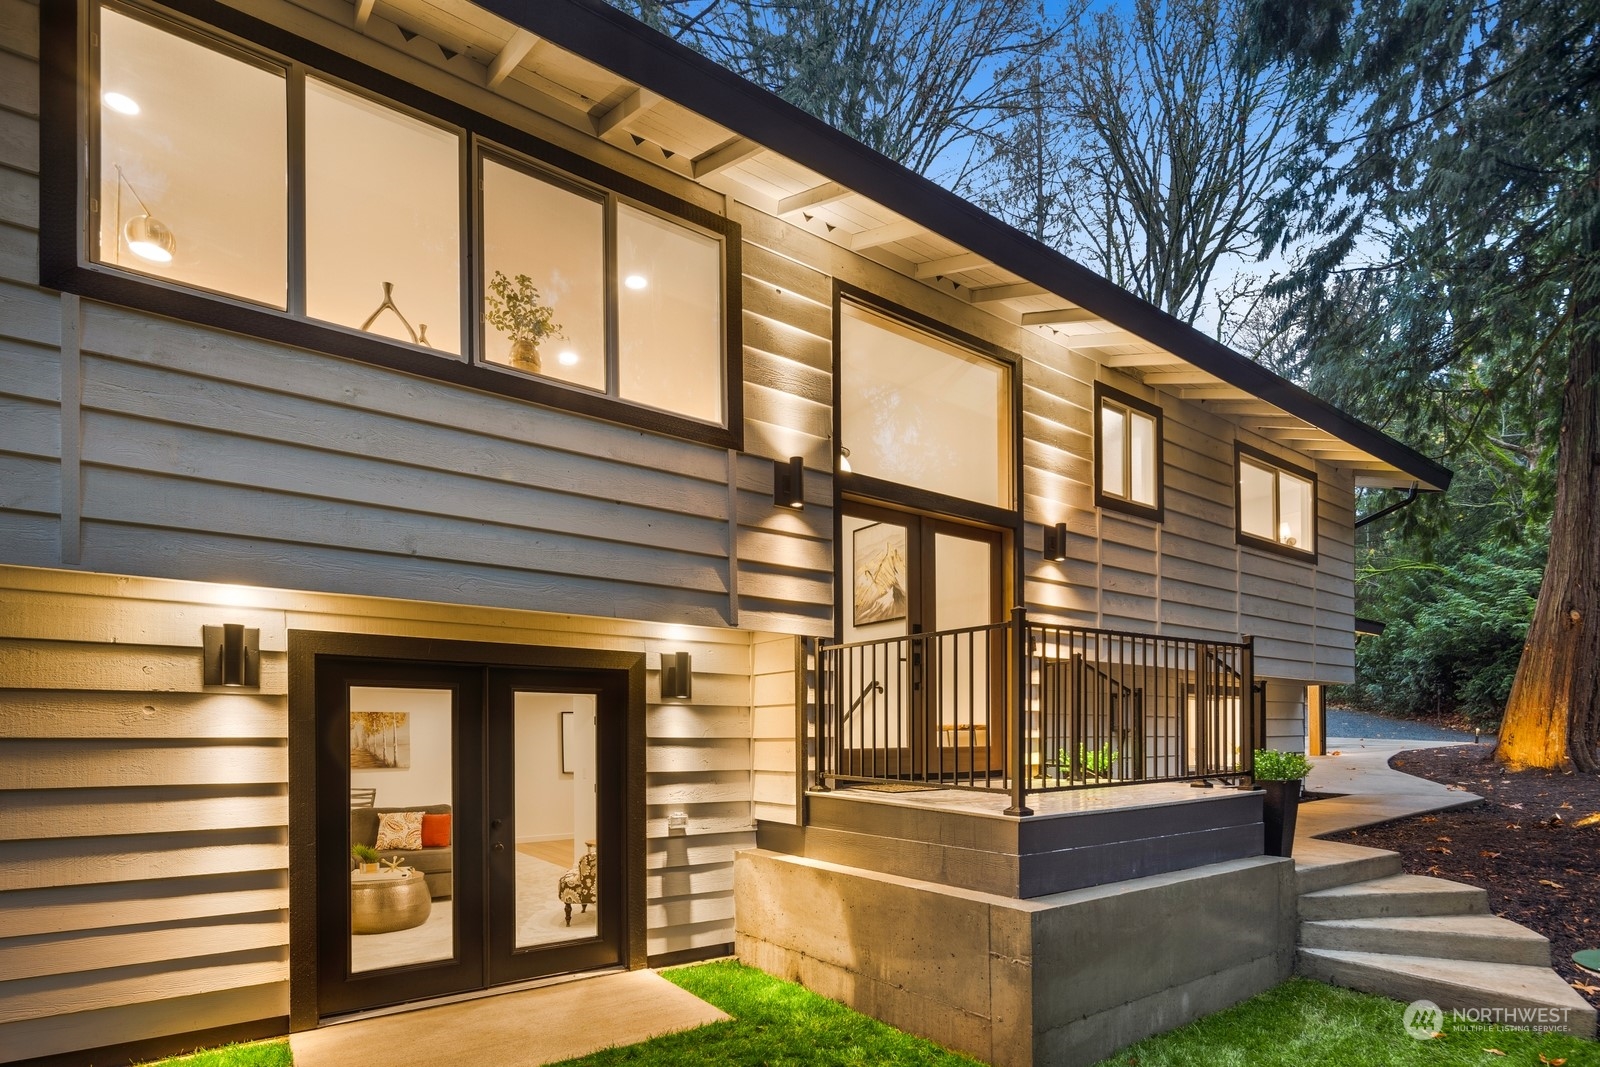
x,y
557,852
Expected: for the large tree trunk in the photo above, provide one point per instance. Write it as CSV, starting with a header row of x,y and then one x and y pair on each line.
x,y
1553,717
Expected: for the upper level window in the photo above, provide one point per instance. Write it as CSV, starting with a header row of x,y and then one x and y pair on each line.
x,y
272,199
190,135
1128,453
918,410
383,219
1277,505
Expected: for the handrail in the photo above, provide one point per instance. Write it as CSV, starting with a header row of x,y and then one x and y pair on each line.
x,y
1000,707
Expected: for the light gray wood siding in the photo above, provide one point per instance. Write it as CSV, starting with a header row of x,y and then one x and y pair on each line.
x,y
144,855
30,319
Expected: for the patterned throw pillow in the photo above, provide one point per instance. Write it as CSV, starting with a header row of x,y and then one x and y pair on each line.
x,y
399,830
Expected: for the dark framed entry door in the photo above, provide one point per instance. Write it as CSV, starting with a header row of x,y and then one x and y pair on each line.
x,y
494,799
928,705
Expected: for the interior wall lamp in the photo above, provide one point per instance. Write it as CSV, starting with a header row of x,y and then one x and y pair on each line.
x,y
789,483
232,654
677,676
1055,542
147,236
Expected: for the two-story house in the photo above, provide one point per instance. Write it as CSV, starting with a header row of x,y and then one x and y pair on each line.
x,y
492,435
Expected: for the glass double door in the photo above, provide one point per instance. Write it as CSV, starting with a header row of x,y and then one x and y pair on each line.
x,y
468,828
921,599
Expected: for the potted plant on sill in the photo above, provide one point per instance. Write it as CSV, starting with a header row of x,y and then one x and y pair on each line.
x,y
367,856
1280,775
512,306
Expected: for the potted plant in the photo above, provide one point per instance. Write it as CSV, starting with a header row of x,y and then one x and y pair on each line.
x,y
1280,775
1096,763
513,307
367,856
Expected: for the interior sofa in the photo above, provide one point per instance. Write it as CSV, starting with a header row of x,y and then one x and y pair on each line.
x,y
434,863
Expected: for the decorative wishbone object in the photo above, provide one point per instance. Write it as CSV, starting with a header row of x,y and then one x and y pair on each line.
x,y
393,863
389,305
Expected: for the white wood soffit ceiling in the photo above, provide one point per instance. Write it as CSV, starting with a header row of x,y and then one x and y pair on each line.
x,y
483,49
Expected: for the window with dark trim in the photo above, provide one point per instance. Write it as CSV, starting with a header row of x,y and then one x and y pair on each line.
x,y
1275,504
240,177
1128,453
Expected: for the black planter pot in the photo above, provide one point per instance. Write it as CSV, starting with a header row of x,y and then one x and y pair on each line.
x,y
1281,805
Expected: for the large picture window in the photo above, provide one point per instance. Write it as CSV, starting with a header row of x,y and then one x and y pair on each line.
x,y
1277,504
341,208
188,134
920,411
1127,453
383,220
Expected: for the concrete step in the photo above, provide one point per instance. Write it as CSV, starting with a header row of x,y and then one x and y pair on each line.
x,y
1481,938
1398,894
1322,865
1457,985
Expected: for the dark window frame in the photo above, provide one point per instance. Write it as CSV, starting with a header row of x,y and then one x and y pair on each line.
x,y
67,121
1107,501
1242,451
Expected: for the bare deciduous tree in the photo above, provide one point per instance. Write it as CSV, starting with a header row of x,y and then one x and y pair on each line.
x,y
914,79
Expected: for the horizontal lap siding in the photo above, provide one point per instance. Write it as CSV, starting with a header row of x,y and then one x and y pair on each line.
x,y
30,318
144,854
773,729
1184,576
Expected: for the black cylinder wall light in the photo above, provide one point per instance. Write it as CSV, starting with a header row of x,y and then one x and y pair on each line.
x,y
1055,542
789,483
677,676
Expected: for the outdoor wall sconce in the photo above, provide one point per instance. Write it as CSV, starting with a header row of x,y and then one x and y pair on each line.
x,y
677,677
789,483
1055,542
232,654
844,460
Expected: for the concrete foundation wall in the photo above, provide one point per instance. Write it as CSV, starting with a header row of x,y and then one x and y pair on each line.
x,y
1062,980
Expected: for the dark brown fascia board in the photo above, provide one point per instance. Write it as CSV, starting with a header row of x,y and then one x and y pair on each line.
x,y
628,48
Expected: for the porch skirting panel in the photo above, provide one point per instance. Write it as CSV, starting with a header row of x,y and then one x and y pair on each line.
x,y
1064,979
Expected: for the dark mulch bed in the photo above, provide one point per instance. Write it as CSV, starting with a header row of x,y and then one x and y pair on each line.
x,y
1534,845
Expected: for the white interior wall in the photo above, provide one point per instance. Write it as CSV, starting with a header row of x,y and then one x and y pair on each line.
x,y
544,791
428,779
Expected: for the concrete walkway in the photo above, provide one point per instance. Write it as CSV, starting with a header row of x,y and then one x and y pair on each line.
x,y
1373,791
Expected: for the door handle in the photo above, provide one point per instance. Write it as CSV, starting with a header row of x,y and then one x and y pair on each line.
x,y
494,824
498,847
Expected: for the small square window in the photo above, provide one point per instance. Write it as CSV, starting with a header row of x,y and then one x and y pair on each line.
x,y
1277,504
1128,434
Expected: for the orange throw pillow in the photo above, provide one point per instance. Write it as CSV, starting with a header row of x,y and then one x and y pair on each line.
x,y
435,831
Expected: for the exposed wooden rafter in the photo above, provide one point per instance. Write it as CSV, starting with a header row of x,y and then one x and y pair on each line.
x,y
1134,360
1213,392
1058,316
887,234
364,13
1015,291
1179,377
938,268
631,107
514,52
725,155
816,196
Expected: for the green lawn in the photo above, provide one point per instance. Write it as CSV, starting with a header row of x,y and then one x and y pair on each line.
x,y
1299,1024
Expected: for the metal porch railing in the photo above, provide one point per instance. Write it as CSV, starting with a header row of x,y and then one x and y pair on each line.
x,y
1027,708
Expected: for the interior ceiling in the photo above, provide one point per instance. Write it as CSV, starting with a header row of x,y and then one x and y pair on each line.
x,y
482,48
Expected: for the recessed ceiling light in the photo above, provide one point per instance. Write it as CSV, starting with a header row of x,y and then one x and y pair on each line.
x,y
636,281
568,358
122,103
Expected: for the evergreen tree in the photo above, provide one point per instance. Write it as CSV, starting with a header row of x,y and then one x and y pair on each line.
x,y
1447,188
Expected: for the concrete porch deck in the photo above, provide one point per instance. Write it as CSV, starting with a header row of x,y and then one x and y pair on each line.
x,y
1074,840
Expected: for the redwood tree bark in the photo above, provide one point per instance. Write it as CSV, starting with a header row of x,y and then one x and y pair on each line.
x,y
1553,717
